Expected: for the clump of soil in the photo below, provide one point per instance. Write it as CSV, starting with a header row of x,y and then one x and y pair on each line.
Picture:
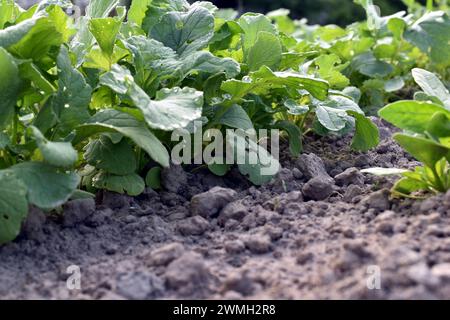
x,y
320,229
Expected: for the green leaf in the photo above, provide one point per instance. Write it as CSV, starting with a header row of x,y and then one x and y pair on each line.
x,y
9,87
138,10
367,135
185,32
127,125
430,34
160,7
42,41
253,160
411,115
338,101
100,8
81,194
152,55
295,136
426,151
236,117
13,206
132,184
204,61
84,38
212,87
105,31
397,26
4,140
172,109
329,70
47,187
431,85
439,125
394,84
295,108
16,33
331,118
353,92
153,178
252,24
31,72
8,12
219,169
368,65
422,96
73,97
117,158
97,59
58,154
265,52
263,80
406,186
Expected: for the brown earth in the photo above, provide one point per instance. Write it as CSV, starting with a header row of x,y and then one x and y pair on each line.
x,y
316,231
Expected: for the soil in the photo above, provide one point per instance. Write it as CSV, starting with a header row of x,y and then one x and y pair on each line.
x,y
318,230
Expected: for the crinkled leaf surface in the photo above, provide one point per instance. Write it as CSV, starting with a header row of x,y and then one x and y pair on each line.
x,y
265,52
117,158
132,184
127,125
185,32
263,80
172,109
72,100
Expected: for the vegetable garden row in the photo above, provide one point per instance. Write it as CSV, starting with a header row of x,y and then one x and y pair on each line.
x,y
89,103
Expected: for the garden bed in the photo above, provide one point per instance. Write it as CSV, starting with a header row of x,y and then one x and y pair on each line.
x,y
244,242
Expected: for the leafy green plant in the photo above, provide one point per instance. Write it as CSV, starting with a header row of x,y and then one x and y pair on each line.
x,y
376,55
90,103
426,121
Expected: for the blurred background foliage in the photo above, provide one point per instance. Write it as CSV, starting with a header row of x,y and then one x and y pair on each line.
x,y
340,12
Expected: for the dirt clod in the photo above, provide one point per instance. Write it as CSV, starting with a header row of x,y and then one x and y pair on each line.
x,y
76,211
139,285
318,188
258,244
188,274
195,226
350,176
166,254
209,204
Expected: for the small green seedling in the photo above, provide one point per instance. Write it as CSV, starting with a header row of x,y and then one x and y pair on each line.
x,y
427,136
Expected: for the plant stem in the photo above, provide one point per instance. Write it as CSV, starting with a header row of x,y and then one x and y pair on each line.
x,y
440,186
303,122
15,128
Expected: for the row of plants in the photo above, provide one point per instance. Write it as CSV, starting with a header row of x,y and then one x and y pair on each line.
x,y
426,123
90,103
